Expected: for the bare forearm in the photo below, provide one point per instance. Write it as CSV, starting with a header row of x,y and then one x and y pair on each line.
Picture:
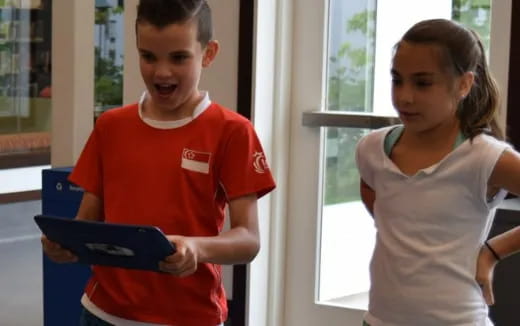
x,y
507,243
91,208
236,246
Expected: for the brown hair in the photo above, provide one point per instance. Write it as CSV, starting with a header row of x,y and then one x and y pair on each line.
x,y
462,52
161,13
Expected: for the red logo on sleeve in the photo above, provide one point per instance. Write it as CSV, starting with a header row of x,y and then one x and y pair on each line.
x,y
259,162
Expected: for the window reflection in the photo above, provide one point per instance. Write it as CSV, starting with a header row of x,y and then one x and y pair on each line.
x,y
109,36
25,78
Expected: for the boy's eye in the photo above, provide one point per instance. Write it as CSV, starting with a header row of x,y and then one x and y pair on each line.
x,y
147,57
178,58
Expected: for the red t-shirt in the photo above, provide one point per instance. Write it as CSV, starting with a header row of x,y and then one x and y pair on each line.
x,y
179,180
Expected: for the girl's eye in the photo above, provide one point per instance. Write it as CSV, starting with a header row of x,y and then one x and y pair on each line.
x,y
396,81
423,83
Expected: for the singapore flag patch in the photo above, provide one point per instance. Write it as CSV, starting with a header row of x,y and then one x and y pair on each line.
x,y
195,160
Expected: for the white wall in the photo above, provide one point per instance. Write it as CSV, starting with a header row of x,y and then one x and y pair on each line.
x,y
499,50
220,79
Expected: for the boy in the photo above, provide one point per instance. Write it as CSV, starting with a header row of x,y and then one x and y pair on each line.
x,y
173,160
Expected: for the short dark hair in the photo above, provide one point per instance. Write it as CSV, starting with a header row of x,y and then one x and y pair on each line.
x,y
161,13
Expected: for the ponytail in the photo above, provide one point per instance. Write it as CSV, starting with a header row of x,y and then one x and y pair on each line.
x,y
477,111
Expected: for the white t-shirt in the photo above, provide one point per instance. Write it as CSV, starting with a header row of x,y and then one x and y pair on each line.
x,y
430,228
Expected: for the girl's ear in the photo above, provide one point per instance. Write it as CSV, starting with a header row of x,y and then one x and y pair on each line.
x,y
466,82
210,52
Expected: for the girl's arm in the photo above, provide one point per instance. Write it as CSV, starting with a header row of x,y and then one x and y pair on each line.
x,y
506,175
368,196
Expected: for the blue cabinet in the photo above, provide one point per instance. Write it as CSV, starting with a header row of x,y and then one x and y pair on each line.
x,y
63,284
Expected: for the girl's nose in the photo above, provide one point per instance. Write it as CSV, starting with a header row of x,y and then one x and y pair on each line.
x,y
403,94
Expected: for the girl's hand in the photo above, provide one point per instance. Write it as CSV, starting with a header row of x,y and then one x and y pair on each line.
x,y
184,261
56,253
486,263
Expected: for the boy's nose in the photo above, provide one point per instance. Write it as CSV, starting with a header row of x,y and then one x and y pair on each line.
x,y
163,71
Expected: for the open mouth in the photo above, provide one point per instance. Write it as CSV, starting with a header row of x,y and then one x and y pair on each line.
x,y
408,115
165,89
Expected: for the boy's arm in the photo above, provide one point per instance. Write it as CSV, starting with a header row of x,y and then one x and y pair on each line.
x,y
238,245
90,208
368,196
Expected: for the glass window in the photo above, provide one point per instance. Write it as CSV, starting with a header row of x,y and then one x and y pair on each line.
x,y
25,79
108,36
361,36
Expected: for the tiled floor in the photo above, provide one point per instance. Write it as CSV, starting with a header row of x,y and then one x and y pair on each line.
x,y
20,265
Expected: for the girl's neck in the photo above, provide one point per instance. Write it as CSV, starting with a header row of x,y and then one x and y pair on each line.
x,y
415,151
442,135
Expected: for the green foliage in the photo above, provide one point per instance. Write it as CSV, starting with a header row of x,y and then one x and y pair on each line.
x,y
108,91
348,87
342,177
108,81
362,22
474,14
108,76
102,16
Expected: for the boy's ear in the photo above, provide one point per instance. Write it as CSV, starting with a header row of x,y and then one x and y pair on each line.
x,y
210,52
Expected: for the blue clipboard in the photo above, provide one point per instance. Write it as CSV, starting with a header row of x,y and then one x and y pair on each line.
x,y
98,243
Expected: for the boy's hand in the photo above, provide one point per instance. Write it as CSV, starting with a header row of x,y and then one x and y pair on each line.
x,y
56,253
184,261
486,263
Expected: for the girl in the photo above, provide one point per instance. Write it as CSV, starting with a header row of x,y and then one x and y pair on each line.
x,y
434,182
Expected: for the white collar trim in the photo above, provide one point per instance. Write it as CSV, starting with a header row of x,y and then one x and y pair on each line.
x,y
201,107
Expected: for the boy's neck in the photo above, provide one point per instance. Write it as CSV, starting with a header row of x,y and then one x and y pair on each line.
x,y
185,110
